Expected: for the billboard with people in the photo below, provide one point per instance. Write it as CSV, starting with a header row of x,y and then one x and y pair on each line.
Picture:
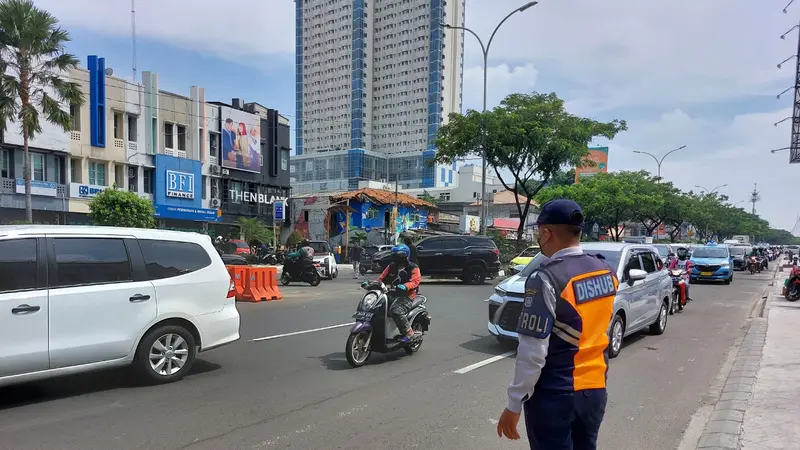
x,y
241,140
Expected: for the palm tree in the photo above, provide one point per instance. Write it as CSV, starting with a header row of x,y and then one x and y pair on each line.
x,y
34,61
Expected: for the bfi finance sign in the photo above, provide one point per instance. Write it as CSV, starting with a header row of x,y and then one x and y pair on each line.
x,y
180,184
253,197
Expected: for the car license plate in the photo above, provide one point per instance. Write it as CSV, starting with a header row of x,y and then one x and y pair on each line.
x,y
706,274
501,273
363,316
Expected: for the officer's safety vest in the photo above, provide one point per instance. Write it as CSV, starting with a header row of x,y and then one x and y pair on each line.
x,y
577,357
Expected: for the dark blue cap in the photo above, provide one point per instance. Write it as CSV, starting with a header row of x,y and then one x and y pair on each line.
x,y
561,212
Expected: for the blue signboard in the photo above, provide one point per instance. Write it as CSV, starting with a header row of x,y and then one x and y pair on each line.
x,y
368,228
277,211
186,213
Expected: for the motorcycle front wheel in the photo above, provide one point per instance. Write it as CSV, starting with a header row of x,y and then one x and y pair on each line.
x,y
285,279
792,295
358,349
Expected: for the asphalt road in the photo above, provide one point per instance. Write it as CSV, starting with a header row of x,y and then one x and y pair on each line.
x,y
298,392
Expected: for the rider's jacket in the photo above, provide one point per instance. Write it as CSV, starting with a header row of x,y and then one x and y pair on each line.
x,y
582,288
408,275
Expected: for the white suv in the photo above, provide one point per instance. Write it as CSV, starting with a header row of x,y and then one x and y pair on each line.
x,y
75,299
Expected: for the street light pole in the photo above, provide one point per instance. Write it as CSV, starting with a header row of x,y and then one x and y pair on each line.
x,y
660,161
485,49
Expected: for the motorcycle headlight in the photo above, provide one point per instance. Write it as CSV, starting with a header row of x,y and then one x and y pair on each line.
x,y
369,300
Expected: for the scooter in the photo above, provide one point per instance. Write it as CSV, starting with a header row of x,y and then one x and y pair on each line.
x,y
294,270
375,329
679,299
754,265
791,291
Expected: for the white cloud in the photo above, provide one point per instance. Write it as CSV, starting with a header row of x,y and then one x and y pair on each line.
x,y
501,80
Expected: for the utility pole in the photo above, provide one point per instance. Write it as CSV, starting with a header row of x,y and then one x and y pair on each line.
x,y
395,213
133,36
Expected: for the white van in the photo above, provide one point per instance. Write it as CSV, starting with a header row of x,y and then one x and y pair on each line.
x,y
76,299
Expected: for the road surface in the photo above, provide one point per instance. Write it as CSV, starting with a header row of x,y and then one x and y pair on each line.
x,y
295,390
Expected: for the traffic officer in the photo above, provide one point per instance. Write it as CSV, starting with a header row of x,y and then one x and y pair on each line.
x,y
562,358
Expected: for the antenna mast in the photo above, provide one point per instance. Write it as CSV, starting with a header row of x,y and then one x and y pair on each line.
x,y
755,197
133,35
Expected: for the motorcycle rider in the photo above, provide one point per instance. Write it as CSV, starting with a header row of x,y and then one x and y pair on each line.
x,y
682,262
405,276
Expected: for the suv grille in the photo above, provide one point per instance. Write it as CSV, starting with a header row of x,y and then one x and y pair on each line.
x,y
492,311
705,268
510,316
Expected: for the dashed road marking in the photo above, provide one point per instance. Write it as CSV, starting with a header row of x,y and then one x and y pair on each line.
x,y
485,362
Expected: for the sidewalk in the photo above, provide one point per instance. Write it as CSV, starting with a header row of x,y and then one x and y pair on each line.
x,y
759,404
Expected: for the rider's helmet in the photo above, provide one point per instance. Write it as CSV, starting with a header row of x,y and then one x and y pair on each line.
x,y
683,253
401,254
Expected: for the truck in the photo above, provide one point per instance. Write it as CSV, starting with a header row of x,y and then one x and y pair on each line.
x,y
742,239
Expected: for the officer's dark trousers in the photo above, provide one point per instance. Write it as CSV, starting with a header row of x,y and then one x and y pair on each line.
x,y
400,307
565,420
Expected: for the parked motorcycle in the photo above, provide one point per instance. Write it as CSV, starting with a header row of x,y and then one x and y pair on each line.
x,y
295,270
679,298
375,329
791,291
753,265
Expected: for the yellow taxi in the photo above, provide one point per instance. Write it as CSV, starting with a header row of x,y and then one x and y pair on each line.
x,y
526,256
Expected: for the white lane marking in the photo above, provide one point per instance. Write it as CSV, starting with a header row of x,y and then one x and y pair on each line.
x,y
295,333
485,362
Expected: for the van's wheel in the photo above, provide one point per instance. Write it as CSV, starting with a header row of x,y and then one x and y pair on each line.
x,y
165,354
616,333
660,325
474,275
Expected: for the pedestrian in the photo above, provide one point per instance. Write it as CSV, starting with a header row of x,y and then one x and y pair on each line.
x,y
355,257
410,244
560,371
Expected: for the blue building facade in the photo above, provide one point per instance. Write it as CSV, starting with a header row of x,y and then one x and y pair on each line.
x,y
177,190
370,215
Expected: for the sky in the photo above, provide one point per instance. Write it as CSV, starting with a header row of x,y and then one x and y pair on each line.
x,y
681,72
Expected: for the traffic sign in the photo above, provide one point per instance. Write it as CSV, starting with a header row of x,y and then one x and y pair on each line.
x,y
277,211
367,228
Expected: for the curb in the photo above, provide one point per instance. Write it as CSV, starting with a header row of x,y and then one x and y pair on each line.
x,y
723,428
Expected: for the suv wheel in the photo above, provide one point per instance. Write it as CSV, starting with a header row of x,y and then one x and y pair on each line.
x,y
474,275
165,354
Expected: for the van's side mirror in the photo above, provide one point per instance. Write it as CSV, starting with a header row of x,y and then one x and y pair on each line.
x,y
636,275
419,247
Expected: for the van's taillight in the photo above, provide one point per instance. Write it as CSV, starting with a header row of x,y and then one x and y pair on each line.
x,y
232,290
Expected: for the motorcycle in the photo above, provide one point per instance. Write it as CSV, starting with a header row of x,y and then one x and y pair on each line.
x,y
791,291
375,329
679,299
754,265
295,270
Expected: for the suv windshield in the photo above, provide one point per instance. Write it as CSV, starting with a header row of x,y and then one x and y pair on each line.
x,y
710,252
320,247
663,250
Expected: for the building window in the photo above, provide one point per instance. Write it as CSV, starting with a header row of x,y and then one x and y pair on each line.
x,y
148,180
236,194
37,161
133,179
205,189
118,125
285,160
119,175
168,135
181,137
305,216
75,113
5,164
372,213
213,145
75,170
133,128
58,169
97,173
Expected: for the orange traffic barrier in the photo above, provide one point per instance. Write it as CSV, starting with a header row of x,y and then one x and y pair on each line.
x,y
256,285
271,282
238,275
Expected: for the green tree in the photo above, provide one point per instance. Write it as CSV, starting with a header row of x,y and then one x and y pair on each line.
x,y
676,212
255,232
294,239
118,208
527,137
34,62
358,237
426,196
650,196
563,178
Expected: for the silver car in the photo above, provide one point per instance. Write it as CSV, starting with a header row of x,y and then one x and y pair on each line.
x,y
642,301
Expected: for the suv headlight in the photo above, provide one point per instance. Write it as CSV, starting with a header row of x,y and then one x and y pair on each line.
x,y
500,291
725,264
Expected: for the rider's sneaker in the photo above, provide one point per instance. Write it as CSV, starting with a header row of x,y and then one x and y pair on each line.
x,y
405,339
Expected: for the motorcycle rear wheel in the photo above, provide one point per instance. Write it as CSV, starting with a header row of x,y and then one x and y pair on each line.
x,y
414,346
357,351
315,279
285,279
